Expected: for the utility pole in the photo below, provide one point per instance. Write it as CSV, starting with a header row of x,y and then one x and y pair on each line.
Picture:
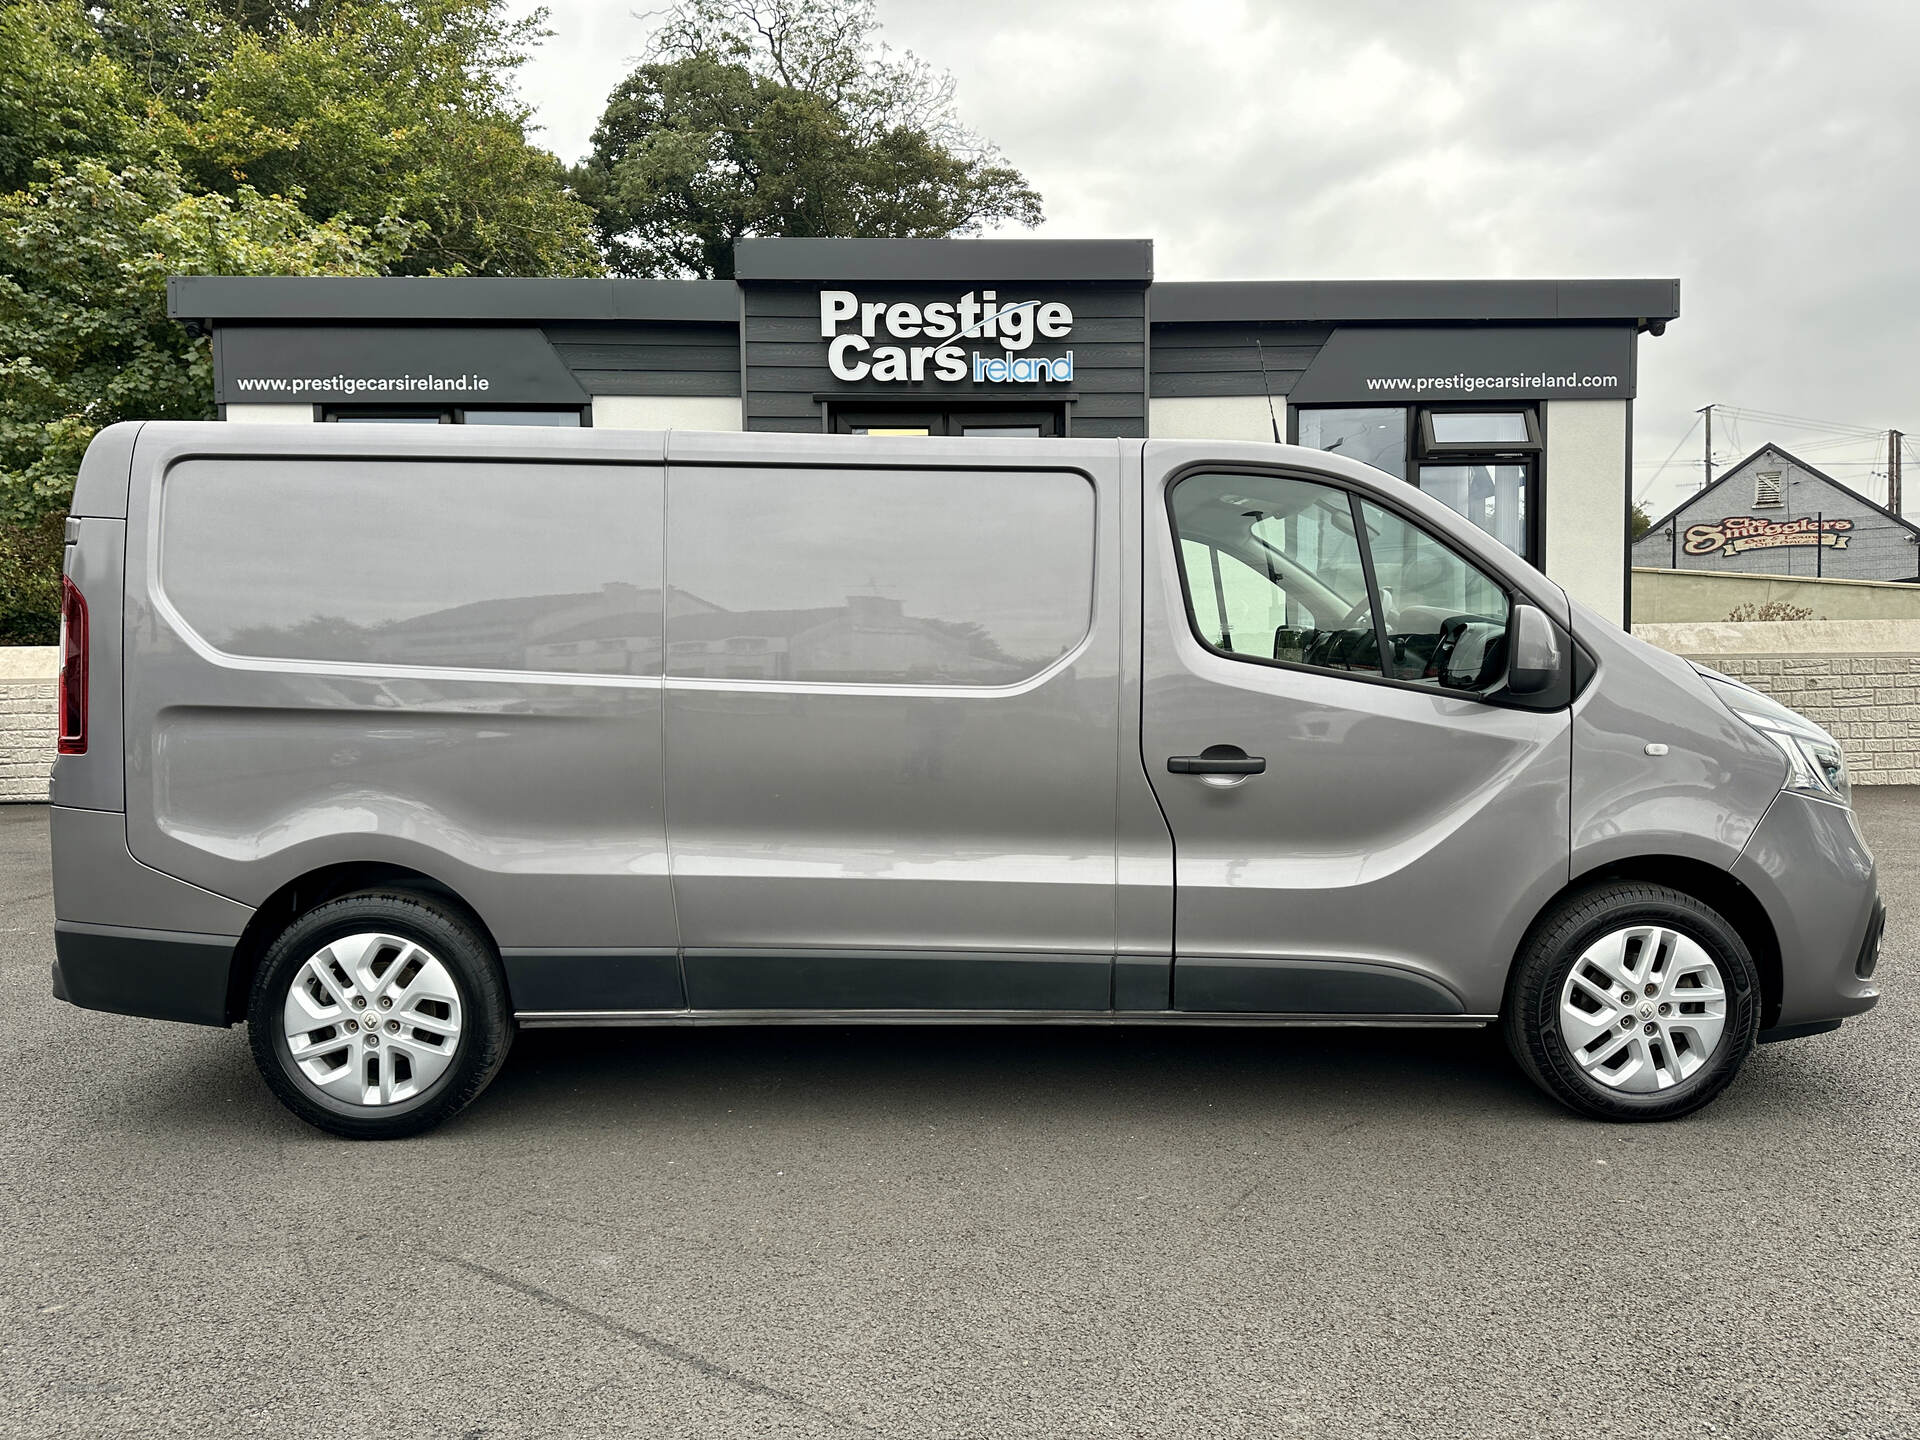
x,y
1706,462
1894,437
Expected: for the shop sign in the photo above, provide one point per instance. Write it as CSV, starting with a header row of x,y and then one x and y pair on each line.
x,y
908,342
1738,533
391,365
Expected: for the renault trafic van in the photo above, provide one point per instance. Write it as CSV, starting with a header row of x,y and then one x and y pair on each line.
x,y
390,742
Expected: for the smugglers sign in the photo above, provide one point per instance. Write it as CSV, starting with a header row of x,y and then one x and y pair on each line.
x,y
1738,533
904,341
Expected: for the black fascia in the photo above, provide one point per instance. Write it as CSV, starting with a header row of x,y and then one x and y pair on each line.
x,y
403,299
1645,302
871,262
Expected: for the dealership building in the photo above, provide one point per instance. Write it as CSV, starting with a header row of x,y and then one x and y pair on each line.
x,y
1509,401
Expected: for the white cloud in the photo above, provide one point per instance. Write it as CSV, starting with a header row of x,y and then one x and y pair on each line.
x,y
1755,149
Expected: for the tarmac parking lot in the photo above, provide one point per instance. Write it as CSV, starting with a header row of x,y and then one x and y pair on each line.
x,y
956,1232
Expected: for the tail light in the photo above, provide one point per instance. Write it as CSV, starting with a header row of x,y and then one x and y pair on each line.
x,y
73,669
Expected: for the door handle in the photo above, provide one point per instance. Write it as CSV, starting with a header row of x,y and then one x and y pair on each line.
x,y
1217,760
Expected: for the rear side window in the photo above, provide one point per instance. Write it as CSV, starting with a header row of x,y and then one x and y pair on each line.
x,y
470,565
967,577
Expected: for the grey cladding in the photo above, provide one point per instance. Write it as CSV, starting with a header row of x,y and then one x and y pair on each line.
x,y
789,384
668,358
1225,359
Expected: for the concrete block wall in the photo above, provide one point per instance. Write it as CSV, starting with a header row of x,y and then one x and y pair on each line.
x,y
27,683
1860,680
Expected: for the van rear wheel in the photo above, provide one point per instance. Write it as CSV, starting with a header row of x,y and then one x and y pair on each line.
x,y
1633,1001
379,1014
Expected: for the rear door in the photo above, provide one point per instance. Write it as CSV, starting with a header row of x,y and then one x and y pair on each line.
x,y
1377,831
892,720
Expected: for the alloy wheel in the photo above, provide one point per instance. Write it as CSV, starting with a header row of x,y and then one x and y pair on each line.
x,y
1643,1009
372,1019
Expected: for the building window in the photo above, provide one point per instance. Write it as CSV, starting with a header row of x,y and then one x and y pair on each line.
x,y
1481,462
1508,431
570,417
1767,490
1373,436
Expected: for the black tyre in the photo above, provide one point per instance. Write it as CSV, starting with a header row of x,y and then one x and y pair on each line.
x,y
1632,1001
379,1014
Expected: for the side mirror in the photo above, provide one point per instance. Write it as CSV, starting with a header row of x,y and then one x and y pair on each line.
x,y
1533,651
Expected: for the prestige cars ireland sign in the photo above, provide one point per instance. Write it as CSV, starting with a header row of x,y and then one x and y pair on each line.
x,y
976,336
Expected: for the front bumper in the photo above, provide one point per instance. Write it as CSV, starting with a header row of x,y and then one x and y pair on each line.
x,y
1812,871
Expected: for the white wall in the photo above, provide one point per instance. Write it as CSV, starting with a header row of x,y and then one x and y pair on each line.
x,y
270,414
666,412
1585,499
1215,417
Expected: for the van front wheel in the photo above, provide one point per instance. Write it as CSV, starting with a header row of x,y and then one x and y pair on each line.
x,y
379,1014
1632,1001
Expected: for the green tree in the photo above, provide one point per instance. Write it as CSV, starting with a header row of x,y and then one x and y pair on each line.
x,y
376,111
84,335
1639,522
61,96
783,117
146,138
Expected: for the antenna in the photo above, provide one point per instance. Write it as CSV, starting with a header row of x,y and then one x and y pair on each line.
x,y
1267,385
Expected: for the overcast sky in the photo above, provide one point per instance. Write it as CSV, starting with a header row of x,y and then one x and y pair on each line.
x,y
1759,150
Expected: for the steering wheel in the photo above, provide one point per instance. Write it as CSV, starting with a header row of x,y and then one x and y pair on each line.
x,y
1389,611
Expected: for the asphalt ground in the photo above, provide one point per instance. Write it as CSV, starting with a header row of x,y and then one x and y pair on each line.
x,y
956,1232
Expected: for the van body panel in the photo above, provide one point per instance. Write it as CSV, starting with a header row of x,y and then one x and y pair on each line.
x,y
100,488
863,796
1143,876
95,561
533,795
97,881
1702,799
1394,828
1810,867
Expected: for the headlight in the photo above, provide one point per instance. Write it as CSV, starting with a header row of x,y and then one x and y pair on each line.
x,y
1815,764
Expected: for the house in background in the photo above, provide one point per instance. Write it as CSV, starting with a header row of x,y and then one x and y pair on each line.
x,y
1774,514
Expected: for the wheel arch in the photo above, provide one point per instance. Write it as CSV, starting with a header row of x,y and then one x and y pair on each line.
x,y
1710,885
316,887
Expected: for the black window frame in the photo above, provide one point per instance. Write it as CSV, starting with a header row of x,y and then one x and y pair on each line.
x,y
1427,447
441,414
1496,697
945,417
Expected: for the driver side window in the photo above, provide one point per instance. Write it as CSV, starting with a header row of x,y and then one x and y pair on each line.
x,y
1273,571
1446,622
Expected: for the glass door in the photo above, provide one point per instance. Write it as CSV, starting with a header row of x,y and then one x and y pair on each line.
x,y
1491,495
968,421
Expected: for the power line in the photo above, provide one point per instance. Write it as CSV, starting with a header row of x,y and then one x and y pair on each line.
x,y
1668,461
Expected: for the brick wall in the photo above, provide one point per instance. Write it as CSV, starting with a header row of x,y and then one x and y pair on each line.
x,y
26,720
1871,707
1858,679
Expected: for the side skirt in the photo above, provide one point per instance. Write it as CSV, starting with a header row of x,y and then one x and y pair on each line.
x,y
553,1019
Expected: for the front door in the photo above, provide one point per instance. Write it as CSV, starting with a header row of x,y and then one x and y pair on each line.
x,y
1360,824
1021,422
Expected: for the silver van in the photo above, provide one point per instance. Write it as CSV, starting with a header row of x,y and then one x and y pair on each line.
x,y
390,742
